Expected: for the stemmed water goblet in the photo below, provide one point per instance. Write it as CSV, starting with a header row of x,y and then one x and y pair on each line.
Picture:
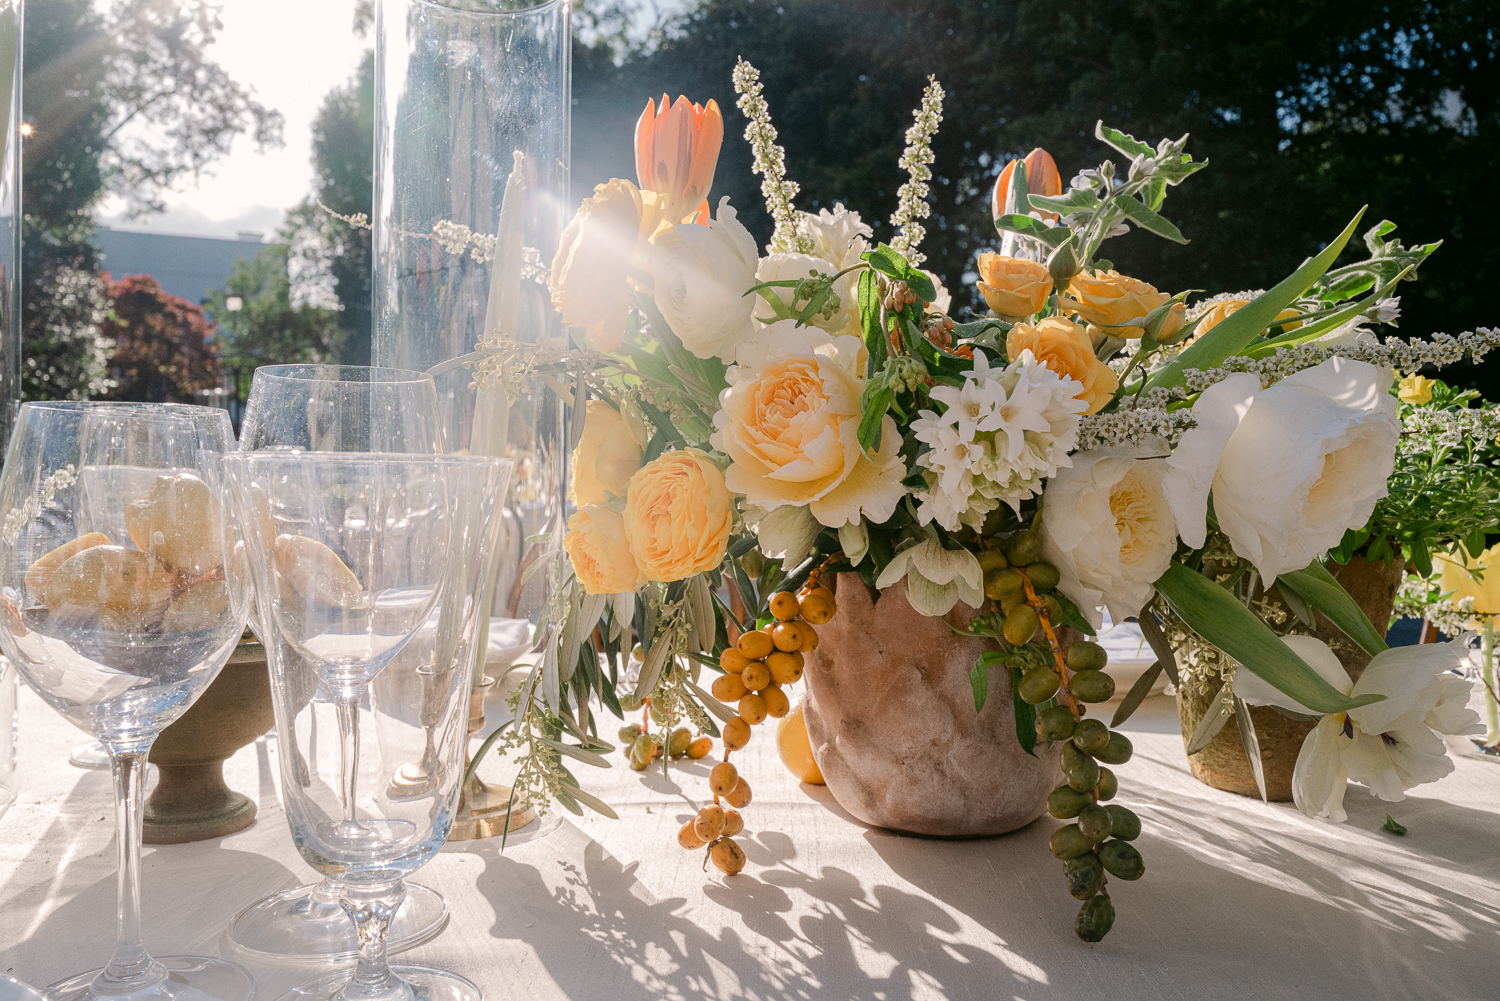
x,y
360,554
335,408
118,611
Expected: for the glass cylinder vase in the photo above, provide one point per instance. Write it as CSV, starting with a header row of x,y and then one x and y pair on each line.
x,y
10,213
471,151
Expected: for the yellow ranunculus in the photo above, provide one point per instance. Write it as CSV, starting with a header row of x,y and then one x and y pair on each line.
x,y
1457,578
1416,389
678,516
1065,348
599,550
593,260
790,422
1013,286
1108,297
606,455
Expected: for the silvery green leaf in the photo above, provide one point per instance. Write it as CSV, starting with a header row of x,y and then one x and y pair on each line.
x,y
656,659
551,681
1136,695
1209,726
1151,631
701,605
1301,609
713,705
571,631
587,757
1252,745
591,801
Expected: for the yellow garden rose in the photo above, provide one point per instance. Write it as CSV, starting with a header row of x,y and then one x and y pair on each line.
x,y
790,421
606,455
1065,348
1013,286
1415,389
599,551
1108,297
678,516
1224,309
593,260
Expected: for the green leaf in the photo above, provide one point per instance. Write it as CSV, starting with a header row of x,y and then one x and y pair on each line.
x,y
871,423
869,318
889,262
979,681
1213,614
1245,324
1025,715
1320,589
1148,220
1034,228
1127,144
1076,200
1391,825
1071,616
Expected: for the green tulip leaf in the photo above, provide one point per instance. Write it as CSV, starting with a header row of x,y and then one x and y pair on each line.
x,y
1318,587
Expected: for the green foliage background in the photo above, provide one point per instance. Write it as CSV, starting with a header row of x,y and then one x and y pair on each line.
x,y
1306,109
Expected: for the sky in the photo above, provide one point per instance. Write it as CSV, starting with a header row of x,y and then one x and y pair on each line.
x,y
290,53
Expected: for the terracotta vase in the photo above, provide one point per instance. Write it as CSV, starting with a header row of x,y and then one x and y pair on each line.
x,y
890,713
191,801
1223,764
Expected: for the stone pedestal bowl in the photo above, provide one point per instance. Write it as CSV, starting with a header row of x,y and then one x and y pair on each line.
x,y
191,801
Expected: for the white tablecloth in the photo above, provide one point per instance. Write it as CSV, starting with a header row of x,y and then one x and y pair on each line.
x,y
1240,900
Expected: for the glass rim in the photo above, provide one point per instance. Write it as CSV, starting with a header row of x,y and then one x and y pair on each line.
x,y
364,458
448,7
109,405
289,373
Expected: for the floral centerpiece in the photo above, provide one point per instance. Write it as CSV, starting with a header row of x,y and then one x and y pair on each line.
x,y
748,424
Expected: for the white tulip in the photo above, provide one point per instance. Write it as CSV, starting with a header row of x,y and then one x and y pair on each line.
x,y
701,274
1388,746
1107,528
1291,467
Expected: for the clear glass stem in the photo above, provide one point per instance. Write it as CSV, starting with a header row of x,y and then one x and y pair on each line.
x,y
326,897
348,710
371,909
131,968
1487,672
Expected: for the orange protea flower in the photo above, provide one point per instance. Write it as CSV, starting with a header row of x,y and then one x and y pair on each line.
x,y
676,151
1042,178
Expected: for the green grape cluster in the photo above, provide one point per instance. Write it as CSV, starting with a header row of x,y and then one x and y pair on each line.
x,y
1066,681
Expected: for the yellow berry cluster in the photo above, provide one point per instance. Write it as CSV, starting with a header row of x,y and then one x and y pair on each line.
x,y
759,663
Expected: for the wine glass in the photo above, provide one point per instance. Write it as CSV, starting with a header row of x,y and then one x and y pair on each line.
x,y
335,408
341,408
116,609
361,554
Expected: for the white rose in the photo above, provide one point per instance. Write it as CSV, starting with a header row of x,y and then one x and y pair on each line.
x,y
1107,528
795,267
1291,467
701,274
838,236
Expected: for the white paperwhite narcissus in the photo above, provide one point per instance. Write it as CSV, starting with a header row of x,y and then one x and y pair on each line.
x,y
1107,528
1000,434
700,275
1291,467
936,578
1387,746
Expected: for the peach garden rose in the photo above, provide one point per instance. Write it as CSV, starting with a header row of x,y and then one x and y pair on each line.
x,y
678,514
1065,348
599,551
606,456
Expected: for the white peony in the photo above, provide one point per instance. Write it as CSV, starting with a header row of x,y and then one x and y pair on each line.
x,y
936,578
701,274
838,236
1388,746
1107,528
1291,467
795,267
1000,434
